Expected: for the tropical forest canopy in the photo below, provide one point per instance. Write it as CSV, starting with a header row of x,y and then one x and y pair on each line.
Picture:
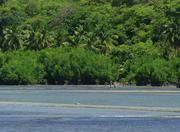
x,y
89,41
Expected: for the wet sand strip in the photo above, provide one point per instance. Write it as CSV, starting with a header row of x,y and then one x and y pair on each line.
x,y
138,108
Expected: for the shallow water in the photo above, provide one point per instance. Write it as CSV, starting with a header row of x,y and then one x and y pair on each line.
x,y
45,119
25,117
70,97
92,125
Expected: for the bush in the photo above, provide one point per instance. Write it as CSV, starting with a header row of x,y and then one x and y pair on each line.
x,y
56,66
21,68
76,66
154,71
124,53
176,63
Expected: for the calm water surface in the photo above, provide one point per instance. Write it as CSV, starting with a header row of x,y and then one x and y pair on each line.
x,y
69,97
28,118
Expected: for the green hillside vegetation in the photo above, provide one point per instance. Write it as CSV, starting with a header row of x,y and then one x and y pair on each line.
x,y
89,41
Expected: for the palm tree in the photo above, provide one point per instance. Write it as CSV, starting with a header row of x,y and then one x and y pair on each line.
x,y
37,40
11,39
171,34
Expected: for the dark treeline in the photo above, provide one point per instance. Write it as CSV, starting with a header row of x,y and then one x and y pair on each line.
x,y
89,41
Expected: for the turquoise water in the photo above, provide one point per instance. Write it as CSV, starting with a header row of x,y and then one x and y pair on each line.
x,y
26,117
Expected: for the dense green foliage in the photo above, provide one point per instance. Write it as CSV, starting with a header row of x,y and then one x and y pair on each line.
x,y
20,68
135,41
77,66
56,66
153,71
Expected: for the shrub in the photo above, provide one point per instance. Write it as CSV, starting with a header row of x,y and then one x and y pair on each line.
x,y
154,71
124,53
21,68
76,66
